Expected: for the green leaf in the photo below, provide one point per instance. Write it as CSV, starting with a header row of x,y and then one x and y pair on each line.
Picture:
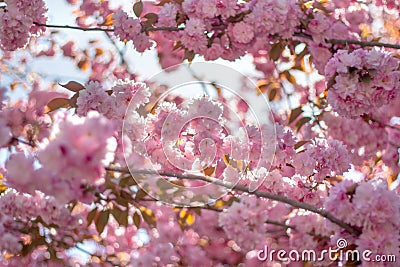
x,y
102,220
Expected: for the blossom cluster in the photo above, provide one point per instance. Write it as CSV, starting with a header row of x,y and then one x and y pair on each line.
x,y
27,119
214,29
362,139
17,22
325,158
130,29
112,105
246,221
19,209
371,207
75,142
309,232
362,81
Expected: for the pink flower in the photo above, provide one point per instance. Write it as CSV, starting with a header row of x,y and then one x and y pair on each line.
x,y
5,133
195,27
242,32
16,22
320,56
130,29
91,98
363,81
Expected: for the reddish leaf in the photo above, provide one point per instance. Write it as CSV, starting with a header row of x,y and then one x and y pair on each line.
x,y
294,114
300,144
136,219
84,64
152,18
187,217
90,216
301,122
73,86
163,2
331,81
127,181
73,99
102,220
189,55
121,216
138,8
148,216
99,52
276,51
209,171
57,103
140,194
108,20
272,94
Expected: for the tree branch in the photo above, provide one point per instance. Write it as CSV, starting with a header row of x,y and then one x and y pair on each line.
x,y
287,226
146,29
161,28
241,188
73,27
362,43
164,28
282,224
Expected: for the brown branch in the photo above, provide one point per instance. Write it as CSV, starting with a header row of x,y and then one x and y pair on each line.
x,y
382,123
176,204
161,28
286,226
362,43
241,188
19,140
73,27
164,28
146,29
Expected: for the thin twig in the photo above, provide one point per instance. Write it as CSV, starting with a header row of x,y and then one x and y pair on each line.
x,y
161,28
85,251
145,29
176,204
241,188
362,43
19,140
367,119
284,225
164,28
194,75
73,27
280,224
